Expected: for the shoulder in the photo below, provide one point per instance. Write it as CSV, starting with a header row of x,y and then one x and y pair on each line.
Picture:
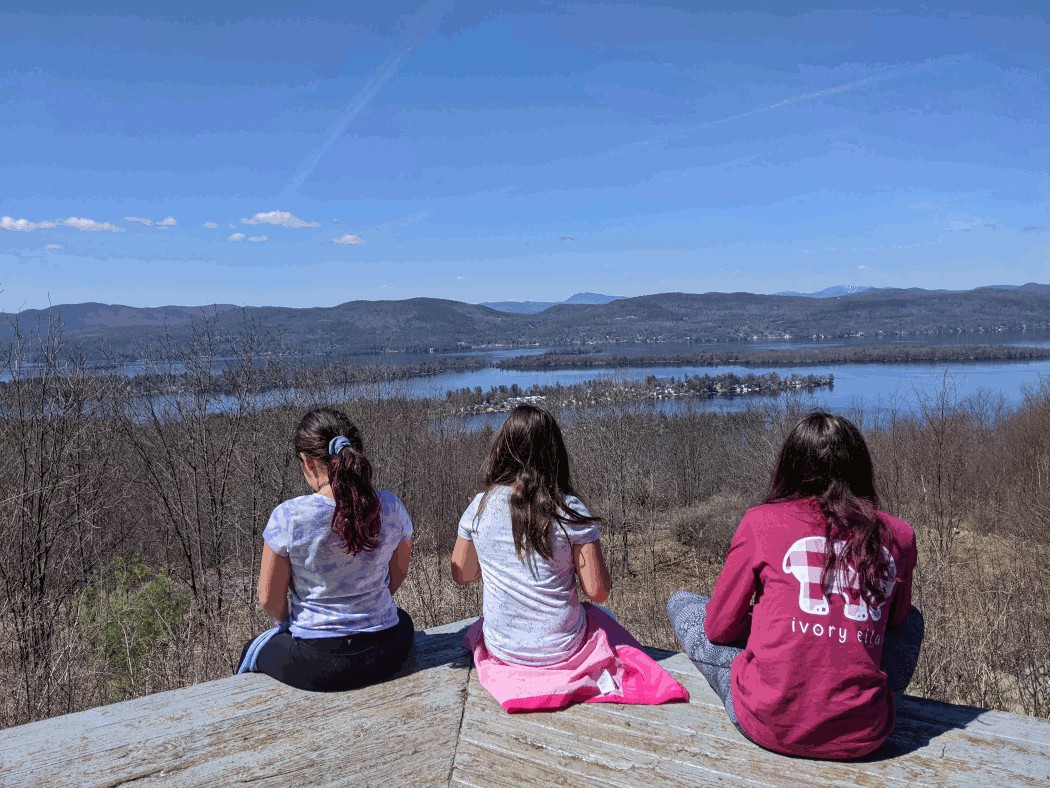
x,y
292,518
303,504
493,499
777,512
389,502
578,506
391,507
579,533
903,534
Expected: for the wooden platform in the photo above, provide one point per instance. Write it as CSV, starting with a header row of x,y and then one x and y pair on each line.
x,y
435,725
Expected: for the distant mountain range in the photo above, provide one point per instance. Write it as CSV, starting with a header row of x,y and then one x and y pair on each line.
x,y
428,324
535,307
830,292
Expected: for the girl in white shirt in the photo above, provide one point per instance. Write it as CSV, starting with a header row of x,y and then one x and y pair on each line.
x,y
529,538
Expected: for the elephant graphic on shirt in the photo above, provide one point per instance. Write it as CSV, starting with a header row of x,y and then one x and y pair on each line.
x,y
805,560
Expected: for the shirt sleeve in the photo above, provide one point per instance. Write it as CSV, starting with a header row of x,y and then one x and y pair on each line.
x,y
900,602
467,521
278,531
580,533
400,515
729,611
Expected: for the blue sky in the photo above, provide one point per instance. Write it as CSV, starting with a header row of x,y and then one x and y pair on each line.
x,y
312,153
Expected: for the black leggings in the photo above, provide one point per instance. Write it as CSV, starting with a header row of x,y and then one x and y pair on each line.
x,y
335,664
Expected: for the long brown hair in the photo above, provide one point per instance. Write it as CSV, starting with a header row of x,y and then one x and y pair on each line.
x,y
356,519
825,457
528,454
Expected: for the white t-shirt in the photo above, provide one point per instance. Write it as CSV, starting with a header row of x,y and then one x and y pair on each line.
x,y
333,593
533,614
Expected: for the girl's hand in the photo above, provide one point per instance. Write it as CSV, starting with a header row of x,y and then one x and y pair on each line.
x,y
592,571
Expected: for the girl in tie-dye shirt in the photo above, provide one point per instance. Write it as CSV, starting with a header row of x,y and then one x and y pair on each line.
x,y
330,565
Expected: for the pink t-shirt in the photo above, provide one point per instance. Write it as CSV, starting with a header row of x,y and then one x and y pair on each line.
x,y
808,682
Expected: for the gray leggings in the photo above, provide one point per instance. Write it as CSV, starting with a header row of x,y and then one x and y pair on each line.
x,y
687,611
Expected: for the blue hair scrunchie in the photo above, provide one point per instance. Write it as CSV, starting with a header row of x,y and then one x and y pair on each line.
x,y
337,444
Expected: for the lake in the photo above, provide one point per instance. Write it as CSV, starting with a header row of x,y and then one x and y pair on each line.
x,y
865,386
855,384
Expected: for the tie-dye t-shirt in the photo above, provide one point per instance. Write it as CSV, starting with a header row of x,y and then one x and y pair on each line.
x,y
333,593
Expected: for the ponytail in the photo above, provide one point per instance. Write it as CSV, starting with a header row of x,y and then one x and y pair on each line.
x,y
329,435
356,519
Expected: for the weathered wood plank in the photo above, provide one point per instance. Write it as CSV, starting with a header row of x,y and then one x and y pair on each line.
x,y
694,743
942,736
251,728
434,724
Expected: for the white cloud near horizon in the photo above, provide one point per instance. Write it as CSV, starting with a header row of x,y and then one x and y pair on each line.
x,y
258,239
90,225
235,237
211,225
13,225
53,246
281,219
348,240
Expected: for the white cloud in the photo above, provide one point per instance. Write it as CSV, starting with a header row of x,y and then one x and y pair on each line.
x,y
23,225
337,221
211,226
348,240
235,237
461,278
90,225
862,268
163,224
53,246
258,239
279,218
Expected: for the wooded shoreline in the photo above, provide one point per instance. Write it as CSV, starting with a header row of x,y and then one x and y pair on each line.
x,y
133,523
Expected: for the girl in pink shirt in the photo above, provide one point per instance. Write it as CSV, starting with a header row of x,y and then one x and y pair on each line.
x,y
809,631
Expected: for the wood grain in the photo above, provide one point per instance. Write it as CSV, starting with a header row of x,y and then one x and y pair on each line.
x,y
433,724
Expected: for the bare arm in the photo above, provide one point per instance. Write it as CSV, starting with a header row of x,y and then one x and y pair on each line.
x,y
275,576
465,565
592,571
399,564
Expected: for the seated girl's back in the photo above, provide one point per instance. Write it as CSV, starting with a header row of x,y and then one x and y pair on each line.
x,y
331,562
529,538
332,595
793,636
809,679
532,612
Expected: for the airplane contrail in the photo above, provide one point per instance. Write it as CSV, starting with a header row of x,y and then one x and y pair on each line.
x,y
418,30
803,97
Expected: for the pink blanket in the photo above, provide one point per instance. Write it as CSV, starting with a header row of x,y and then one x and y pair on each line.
x,y
610,667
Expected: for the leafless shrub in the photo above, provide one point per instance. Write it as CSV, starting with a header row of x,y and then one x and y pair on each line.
x,y
178,469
